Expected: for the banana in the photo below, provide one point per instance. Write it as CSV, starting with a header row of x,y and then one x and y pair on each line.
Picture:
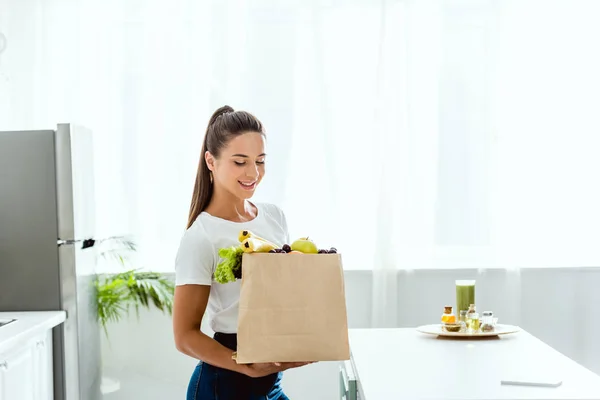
x,y
256,245
247,234
244,235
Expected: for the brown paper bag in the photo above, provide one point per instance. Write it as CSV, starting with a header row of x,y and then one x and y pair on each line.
x,y
292,308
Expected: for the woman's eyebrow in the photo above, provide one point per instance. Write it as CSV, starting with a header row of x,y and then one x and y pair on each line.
x,y
245,156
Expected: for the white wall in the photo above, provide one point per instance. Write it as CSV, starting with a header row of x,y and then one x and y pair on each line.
x,y
560,306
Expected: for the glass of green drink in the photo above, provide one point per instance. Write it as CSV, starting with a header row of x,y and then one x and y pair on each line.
x,y
465,294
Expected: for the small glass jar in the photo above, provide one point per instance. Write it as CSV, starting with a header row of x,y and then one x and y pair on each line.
x,y
448,316
473,322
472,309
487,321
462,319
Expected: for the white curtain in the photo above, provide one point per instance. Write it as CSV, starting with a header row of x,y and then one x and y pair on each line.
x,y
491,140
408,134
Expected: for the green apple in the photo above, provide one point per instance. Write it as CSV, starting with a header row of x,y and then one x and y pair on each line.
x,y
305,245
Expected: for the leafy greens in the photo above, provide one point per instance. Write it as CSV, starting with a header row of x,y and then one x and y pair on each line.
x,y
230,268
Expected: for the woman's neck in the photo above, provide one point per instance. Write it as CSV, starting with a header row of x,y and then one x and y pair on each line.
x,y
227,206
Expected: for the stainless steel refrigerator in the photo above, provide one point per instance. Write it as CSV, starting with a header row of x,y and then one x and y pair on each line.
x,y
47,252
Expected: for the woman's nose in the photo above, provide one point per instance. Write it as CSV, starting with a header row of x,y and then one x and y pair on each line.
x,y
252,171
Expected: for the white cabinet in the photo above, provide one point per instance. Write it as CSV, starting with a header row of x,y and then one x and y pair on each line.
x,y
26,370
42,365
16,374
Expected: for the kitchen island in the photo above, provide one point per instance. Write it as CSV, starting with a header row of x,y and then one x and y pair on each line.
x,y
406,364
26,365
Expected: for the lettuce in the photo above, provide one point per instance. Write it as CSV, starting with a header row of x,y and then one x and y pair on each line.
x,y
230,268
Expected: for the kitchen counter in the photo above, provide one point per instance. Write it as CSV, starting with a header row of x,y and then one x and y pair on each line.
x,y
405,364
26,326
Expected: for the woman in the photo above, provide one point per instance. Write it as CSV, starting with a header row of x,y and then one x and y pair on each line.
x,y
232,164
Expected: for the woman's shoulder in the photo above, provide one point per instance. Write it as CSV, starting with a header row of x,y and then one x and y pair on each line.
x,y
271,210
197,235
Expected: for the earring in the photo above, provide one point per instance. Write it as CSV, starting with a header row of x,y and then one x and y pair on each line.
x,y
211,177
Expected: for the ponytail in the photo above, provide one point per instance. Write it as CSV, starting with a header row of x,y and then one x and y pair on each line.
x,y
203,188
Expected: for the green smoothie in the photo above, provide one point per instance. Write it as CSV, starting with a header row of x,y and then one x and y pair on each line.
x,y
465,295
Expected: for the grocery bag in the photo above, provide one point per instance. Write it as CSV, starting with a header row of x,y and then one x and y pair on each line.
x,y
292,308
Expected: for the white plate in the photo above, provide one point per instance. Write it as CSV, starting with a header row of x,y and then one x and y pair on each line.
x,y
436,329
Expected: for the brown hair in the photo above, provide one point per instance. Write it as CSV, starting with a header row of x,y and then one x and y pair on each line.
x,y
225,124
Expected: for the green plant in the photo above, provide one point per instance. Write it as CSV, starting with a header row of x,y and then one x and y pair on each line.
x,y
117,293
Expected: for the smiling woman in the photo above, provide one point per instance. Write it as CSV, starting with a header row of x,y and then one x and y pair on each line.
x,y
232,165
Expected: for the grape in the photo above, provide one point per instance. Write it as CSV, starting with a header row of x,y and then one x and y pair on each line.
x,y
286,248
273,251
237,273
333,250
322,251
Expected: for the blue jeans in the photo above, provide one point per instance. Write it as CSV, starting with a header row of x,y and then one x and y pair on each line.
x,y
213,383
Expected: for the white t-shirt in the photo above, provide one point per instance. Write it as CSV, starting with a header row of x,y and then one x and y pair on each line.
x,y
198,256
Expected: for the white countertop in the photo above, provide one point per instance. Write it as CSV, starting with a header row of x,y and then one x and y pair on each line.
x,y
27,325
406,364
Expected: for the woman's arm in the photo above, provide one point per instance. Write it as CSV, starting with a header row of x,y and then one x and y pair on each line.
x,y
189,305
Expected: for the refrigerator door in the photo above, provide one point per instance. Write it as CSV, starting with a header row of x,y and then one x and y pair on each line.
x,y
81,338
75,183
76,210
28,222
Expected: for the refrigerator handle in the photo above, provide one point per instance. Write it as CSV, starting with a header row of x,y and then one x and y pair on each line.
x,y
86,243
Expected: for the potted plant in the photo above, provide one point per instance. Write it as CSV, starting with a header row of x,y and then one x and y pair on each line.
x,y
117,293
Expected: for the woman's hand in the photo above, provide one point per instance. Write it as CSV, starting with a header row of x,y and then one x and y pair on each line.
x,y
259,370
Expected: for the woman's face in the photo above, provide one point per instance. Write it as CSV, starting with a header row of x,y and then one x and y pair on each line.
x,y
240,166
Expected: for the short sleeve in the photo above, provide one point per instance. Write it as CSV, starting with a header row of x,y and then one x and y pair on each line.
x,y
195,258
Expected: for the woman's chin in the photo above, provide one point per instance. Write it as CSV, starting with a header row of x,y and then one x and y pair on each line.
x,y
245,194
